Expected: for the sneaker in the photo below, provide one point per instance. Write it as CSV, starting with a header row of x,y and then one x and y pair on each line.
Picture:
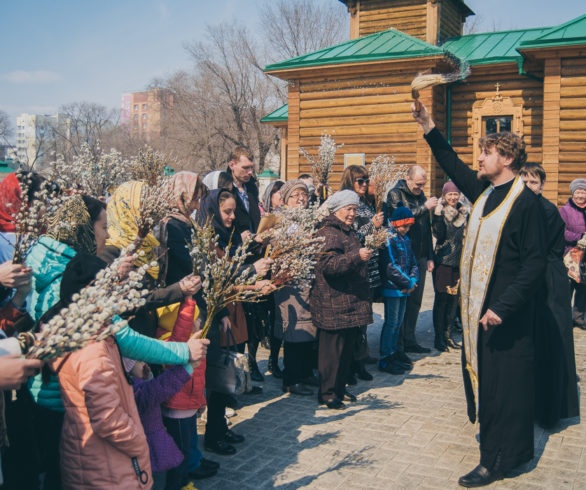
x,y
417,349
401,356
389,367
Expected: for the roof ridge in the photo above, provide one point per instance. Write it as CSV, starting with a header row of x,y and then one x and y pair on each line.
x,y
497,32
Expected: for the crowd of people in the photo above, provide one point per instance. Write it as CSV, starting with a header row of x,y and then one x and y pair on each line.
x,y
123,412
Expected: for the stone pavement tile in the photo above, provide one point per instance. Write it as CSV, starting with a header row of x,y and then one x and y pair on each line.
x,y
393,470
432,482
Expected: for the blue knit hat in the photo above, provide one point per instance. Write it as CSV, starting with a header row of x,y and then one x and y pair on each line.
x,y
402,216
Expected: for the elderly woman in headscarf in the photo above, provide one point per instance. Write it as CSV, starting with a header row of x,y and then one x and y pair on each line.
x,y
340,297
293,322
574,215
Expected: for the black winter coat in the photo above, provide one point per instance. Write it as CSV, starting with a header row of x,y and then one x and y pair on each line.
x,y
340,296
246,220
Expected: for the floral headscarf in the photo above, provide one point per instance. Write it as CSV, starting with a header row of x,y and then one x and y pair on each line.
x,y
73,226
184,184
10,199
123,212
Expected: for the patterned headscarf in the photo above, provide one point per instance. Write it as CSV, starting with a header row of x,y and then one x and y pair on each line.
x,y
10,199
73,226
184,184
123,212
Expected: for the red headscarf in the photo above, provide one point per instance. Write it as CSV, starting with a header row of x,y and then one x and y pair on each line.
x,y
10,200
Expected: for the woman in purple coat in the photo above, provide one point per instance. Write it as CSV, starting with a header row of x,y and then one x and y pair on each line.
x,y
573,214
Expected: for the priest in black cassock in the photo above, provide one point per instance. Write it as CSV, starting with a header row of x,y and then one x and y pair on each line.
x,y
502,268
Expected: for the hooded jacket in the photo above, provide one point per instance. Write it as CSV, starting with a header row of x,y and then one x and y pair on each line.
x,y
398,266
420,232
102,432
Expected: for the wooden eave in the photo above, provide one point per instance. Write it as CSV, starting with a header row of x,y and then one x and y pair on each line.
x,y
575,50
305,72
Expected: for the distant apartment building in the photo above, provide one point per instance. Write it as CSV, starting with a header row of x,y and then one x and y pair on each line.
x,y
35,137
144,113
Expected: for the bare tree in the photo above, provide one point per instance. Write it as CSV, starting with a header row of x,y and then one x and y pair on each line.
x,y
296,27
219,104
6,130
229,62
83,122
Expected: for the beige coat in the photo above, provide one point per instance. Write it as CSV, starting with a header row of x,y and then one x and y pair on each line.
x,y
101,430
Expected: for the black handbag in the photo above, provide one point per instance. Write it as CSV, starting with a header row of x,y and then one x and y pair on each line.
x,y
227,369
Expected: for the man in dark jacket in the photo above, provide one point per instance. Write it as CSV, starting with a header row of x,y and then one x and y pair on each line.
x,y
410,193
245,190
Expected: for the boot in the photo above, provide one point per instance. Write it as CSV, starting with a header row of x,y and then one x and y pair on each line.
x,y
451,311
361,372
254,371
274,368
439,323
274,358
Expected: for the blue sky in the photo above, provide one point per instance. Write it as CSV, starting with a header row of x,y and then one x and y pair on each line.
x,y
58,51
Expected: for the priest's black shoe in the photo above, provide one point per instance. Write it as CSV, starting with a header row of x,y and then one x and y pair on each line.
x,y
349,397
202,471
479,477
233,438
417,349
220,447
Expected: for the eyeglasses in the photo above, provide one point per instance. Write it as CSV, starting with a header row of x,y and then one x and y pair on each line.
x,y
361,181
299,195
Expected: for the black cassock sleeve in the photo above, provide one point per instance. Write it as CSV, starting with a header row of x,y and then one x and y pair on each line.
x,y
462,175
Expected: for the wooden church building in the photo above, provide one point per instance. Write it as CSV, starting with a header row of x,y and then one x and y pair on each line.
x,y
529,81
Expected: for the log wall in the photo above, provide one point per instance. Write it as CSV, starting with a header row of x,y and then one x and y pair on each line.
x,y
408,16
480,85
367,112
572,124
450,20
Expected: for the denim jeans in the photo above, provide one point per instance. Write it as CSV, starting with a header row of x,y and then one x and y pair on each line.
x,y
394,313
181,430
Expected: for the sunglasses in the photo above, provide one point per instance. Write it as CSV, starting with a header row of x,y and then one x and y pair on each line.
x,y
363,181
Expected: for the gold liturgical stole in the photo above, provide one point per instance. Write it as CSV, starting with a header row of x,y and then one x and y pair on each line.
x,y
476,265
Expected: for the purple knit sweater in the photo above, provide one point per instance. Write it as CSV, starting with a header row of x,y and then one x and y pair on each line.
x,y
575,221
149,395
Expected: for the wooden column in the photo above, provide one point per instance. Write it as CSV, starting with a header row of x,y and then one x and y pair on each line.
x,y
432,22
293,131
551,127
284,148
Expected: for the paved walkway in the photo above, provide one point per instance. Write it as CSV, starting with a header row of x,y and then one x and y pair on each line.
x,y
405,432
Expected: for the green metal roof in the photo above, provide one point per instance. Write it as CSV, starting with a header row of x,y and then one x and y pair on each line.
x,y
385,45
492,47
269,173
5,168
281,114
570,33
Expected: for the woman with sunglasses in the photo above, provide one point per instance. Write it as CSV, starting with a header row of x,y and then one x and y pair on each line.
x,y
355,178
